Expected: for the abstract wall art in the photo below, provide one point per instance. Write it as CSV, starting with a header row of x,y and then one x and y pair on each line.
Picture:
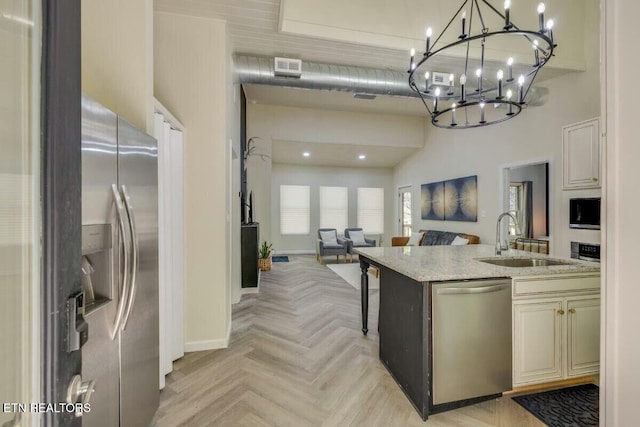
x,y
452,200
461,199
432,201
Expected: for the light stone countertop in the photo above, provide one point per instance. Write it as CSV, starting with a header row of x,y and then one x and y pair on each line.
x,y
438,263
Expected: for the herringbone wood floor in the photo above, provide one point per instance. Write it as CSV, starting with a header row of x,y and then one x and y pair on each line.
x,y
297,358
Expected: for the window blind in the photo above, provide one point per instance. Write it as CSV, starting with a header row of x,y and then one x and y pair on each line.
x,y
333,208
371,210
294,209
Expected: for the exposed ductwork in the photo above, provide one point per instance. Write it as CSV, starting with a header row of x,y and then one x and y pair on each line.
x,y
342,78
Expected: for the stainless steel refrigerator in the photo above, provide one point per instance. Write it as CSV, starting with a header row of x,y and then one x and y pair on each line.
x,y
120,268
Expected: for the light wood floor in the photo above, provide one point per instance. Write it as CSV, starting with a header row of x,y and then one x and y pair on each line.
x,y
297,358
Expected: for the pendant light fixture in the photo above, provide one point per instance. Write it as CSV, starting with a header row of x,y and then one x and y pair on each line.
x,y
489,98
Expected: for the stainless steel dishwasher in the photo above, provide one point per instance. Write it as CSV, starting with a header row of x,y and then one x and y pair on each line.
x,y
471,339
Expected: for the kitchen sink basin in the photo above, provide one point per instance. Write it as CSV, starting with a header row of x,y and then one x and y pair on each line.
x,y
524,262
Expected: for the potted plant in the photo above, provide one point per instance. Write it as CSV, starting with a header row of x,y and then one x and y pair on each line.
x,y
264,256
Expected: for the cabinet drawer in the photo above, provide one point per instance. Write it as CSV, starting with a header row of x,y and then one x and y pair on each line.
x,y
542,286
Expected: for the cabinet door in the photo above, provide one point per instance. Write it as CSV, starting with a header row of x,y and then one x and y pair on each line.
x,y
583,336
537,337
581,155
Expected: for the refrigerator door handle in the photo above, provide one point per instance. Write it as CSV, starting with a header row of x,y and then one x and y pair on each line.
x,y
134,258
124,240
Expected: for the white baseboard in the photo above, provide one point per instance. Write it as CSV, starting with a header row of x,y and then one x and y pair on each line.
x,y
250,290
208,344
296,252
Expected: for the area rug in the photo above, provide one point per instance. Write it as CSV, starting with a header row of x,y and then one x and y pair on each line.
x,y
280,258
351,274
568,407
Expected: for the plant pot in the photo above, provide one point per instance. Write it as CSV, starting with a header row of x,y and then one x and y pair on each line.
x,y
264,264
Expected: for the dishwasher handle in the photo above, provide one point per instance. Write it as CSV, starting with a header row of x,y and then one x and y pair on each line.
x,y
474,290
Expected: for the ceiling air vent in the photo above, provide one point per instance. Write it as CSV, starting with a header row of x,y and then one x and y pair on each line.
x,y
288,67
359,95
440,79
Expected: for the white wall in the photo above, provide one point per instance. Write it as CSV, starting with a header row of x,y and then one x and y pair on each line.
x,y
534,135
621,349
334,127
537,175
233,139
117,57
272,123
317,176
191,80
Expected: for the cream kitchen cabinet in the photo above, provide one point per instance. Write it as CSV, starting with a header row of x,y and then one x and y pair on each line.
x,y
583,334
556,329
581,155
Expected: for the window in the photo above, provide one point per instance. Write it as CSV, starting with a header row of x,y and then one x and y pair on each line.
x,y
371,210
515,205
405,211
294,209
333,208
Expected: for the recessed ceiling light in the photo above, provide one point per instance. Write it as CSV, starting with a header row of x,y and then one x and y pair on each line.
x,y
362,157
306,154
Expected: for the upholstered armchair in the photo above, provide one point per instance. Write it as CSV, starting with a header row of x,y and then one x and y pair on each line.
x,y
330,244
355,239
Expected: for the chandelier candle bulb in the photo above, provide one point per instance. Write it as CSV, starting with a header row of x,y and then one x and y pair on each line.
x,y
509,106
536,54
451,80
510,69
482,120
429,33
479,76
463,81
500,77
550,29
412,64
463,35
453,114
426,82
521,90
435,101
541,16
507,20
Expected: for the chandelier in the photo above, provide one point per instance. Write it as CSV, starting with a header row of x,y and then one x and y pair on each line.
x,y
488,91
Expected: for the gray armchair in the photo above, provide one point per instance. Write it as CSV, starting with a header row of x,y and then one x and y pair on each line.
x,y
324,249
368,243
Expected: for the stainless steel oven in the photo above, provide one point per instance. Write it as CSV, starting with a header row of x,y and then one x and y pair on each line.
x,y
585,251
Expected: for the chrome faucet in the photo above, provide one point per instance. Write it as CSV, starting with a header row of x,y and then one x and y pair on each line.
x,y
499,247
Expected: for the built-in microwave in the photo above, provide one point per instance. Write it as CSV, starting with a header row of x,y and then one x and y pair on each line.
x,y
585,213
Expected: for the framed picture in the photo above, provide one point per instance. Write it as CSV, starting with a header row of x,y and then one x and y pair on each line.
x,y
461,199
432,201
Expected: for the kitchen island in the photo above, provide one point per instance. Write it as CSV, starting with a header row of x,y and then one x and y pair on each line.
x,y
408,277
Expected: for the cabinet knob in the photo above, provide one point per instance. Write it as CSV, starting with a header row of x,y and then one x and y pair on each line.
x,y
561,312
572,310
594,179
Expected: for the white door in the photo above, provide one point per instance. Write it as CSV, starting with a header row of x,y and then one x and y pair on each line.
x,y
404,211
537,340
171,242
19,210
583,334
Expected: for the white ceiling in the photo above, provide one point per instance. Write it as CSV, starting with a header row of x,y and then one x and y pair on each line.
x,y
359,33
340,155
254,24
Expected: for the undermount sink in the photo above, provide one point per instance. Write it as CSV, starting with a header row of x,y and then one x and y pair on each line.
x,y
524,262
